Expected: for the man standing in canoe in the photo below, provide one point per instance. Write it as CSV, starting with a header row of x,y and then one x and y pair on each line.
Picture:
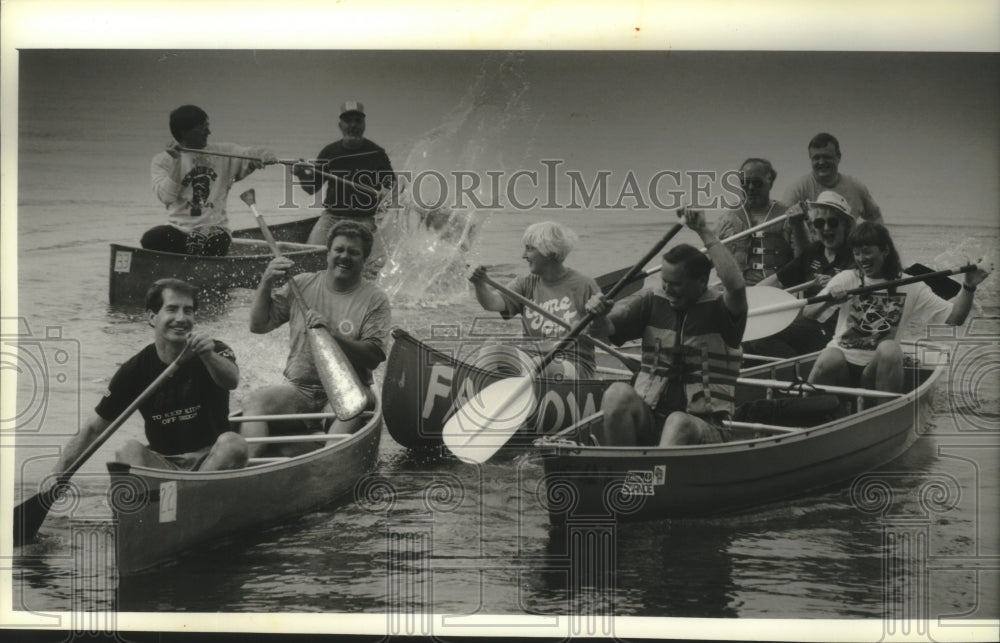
x,y
691,354
761,254
367,175
194,186
560,290
865,349
831,221
824,155
186,417
354,310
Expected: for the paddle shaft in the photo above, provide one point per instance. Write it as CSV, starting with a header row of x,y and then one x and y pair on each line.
x,y
741,235
343,387
29,515
626,359
288,162
624,281
800,303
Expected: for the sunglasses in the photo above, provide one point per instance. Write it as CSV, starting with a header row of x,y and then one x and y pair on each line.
x,y
820,223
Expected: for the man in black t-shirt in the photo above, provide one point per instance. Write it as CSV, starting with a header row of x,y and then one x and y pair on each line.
x,y
360,162
186,417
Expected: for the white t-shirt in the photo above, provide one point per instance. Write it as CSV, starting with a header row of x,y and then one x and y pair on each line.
x,y
865,320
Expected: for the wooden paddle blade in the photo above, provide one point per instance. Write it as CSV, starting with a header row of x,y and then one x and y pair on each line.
x,y
943,287
249,197
607,281
764,323
29,516
348,396
484,423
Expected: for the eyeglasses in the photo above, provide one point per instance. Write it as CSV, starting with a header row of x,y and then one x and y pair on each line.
x,y
820,223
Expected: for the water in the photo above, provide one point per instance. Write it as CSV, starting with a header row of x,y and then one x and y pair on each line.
x,y
815,557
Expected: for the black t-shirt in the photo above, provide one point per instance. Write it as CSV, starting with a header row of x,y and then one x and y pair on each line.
x,y
186,413
812,262
368,165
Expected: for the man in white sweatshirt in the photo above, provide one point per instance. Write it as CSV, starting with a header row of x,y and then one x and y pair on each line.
x,y
194,186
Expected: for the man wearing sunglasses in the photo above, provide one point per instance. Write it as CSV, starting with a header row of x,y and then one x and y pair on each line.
x,y
831,222
824,157
761,254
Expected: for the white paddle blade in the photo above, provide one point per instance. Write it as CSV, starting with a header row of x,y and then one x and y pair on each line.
x,y
481,426
771,311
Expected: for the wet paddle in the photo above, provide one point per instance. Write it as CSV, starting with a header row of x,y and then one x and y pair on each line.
x,y
290,163
348,396
483,424
607,280
774,309
30,514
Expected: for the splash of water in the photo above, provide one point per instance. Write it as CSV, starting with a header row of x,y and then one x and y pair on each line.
x,y
432,232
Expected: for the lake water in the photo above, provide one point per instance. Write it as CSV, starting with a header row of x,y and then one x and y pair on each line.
x,y
83,183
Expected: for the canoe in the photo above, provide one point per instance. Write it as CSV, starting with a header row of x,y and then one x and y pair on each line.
x,y
295,231
160,514
422,384
760,467
132,270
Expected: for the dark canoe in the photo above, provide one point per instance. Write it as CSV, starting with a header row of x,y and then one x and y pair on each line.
x,y
422,383
160,514
638,483
133,270
295,231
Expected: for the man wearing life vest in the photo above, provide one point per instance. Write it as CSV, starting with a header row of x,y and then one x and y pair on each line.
x,y
690,349
767,250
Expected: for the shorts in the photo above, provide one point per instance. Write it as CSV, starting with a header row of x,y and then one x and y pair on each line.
x,y
314,396
854,372
190,461
711,429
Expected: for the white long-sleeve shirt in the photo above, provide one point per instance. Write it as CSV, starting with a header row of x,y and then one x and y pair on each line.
x,y
194,187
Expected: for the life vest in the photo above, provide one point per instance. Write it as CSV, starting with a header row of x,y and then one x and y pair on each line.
x,y
766,250
689,345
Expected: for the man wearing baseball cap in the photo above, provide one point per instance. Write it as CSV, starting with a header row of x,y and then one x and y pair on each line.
x,y
831,222
824,156
366,175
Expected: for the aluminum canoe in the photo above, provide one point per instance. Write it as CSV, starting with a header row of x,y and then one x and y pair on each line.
x,y
160,514
651,483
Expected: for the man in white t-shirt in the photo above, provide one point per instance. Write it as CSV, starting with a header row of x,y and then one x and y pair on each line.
x,y
865,348
824,157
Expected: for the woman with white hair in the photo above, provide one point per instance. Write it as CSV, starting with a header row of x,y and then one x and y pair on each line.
x,y
558,289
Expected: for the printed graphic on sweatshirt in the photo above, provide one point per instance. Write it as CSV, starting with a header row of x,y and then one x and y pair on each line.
x,y
200,179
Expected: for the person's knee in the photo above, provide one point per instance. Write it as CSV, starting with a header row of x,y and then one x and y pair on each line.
x,y
829,362
132,452
232,448
889,351
265,400
617,396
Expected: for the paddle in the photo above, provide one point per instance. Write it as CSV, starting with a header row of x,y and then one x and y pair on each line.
x,y
348,396
30,514
486,422
289,162
629,361
606,280
775,309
